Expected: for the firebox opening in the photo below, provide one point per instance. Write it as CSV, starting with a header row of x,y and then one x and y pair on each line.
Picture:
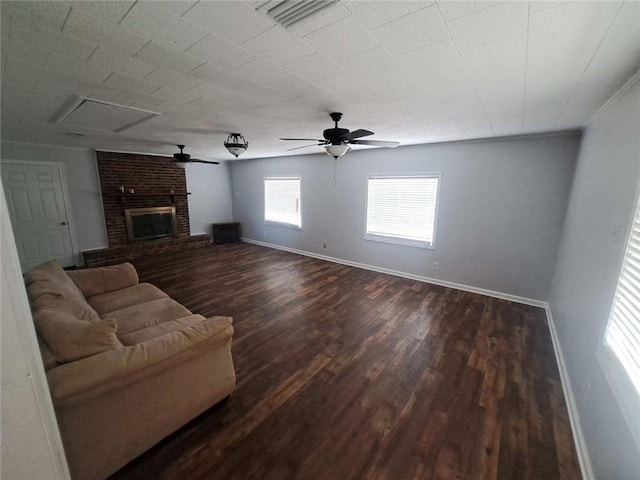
x,y
144,224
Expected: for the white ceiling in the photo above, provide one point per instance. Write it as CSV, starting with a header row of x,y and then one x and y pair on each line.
x,y
412,71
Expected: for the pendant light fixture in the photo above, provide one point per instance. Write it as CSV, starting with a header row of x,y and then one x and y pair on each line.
x,y
236,144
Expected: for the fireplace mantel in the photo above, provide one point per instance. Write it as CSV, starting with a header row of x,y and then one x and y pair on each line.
x,y
126,196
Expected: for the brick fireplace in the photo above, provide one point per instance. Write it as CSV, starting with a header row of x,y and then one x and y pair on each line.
x,y
133,182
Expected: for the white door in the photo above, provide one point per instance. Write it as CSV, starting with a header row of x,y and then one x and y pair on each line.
x,y
39,214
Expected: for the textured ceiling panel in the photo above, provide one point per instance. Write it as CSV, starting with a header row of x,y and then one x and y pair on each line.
x,y
414,71
234,21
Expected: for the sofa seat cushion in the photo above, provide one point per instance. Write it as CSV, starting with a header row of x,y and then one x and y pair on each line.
x,y
127,297
147,314
154,331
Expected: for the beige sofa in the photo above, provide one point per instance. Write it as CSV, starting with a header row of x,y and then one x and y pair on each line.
x,y
126,364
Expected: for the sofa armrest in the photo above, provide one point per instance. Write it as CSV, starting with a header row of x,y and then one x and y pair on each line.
x,y
78,381
96,281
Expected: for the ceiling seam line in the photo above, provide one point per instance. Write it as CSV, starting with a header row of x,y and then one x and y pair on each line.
x,y
423,46
127,13
197,42
92,54
380,44
190,8
595,51
196,68
475,89
144,77
318,29
460,126
401,17
238,45
526,69
466,14
142,48
635,78
346,56
66,19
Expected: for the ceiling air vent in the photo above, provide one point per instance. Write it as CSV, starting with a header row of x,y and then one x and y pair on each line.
x,y
290,12
100,115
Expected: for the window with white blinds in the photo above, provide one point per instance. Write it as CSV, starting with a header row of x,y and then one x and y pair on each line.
x,y
402,209
282,201
623,331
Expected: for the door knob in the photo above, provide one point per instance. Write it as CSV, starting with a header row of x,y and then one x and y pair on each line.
x,y
63,223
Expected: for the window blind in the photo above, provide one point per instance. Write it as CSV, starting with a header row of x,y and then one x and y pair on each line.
x,y
282,200
623,331
402,207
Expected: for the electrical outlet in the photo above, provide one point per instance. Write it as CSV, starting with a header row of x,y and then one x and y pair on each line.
x,y
615,232
324,245
436,265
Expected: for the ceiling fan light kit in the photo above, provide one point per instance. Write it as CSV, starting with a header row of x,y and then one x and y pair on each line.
x,y
337,141
236,144
336,151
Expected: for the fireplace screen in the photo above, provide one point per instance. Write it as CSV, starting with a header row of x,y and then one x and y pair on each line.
x,y
150,223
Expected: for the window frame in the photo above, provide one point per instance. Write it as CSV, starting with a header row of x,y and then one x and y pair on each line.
x,y
275,223
400,240
623,389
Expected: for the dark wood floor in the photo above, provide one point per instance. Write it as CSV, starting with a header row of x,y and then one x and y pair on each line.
x,y
345,373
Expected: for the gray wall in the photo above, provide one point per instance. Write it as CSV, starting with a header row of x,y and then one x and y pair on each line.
x,y
603,194
82,182
502,204
210,199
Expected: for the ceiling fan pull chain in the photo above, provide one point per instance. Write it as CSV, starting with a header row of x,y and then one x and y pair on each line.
x,y
335,172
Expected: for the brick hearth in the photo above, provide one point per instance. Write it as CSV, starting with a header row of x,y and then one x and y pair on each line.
x,y
126,253
148,181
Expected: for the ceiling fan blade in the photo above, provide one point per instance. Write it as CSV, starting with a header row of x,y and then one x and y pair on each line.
x,y
357,134
195,160
305,146
376,143
303,139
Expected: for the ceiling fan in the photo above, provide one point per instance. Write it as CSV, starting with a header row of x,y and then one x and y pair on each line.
x,y
336,140
183,160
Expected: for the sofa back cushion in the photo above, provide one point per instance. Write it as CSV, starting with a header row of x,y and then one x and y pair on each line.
x,y
96,281
50,277
71,338
48,285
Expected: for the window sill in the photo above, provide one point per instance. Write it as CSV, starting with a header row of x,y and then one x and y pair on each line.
x,y
291,226
405,242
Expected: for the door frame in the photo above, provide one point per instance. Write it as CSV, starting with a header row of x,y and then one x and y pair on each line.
x,y
75,248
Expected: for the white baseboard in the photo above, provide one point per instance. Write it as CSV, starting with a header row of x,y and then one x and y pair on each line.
x,y
574,417
411,276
